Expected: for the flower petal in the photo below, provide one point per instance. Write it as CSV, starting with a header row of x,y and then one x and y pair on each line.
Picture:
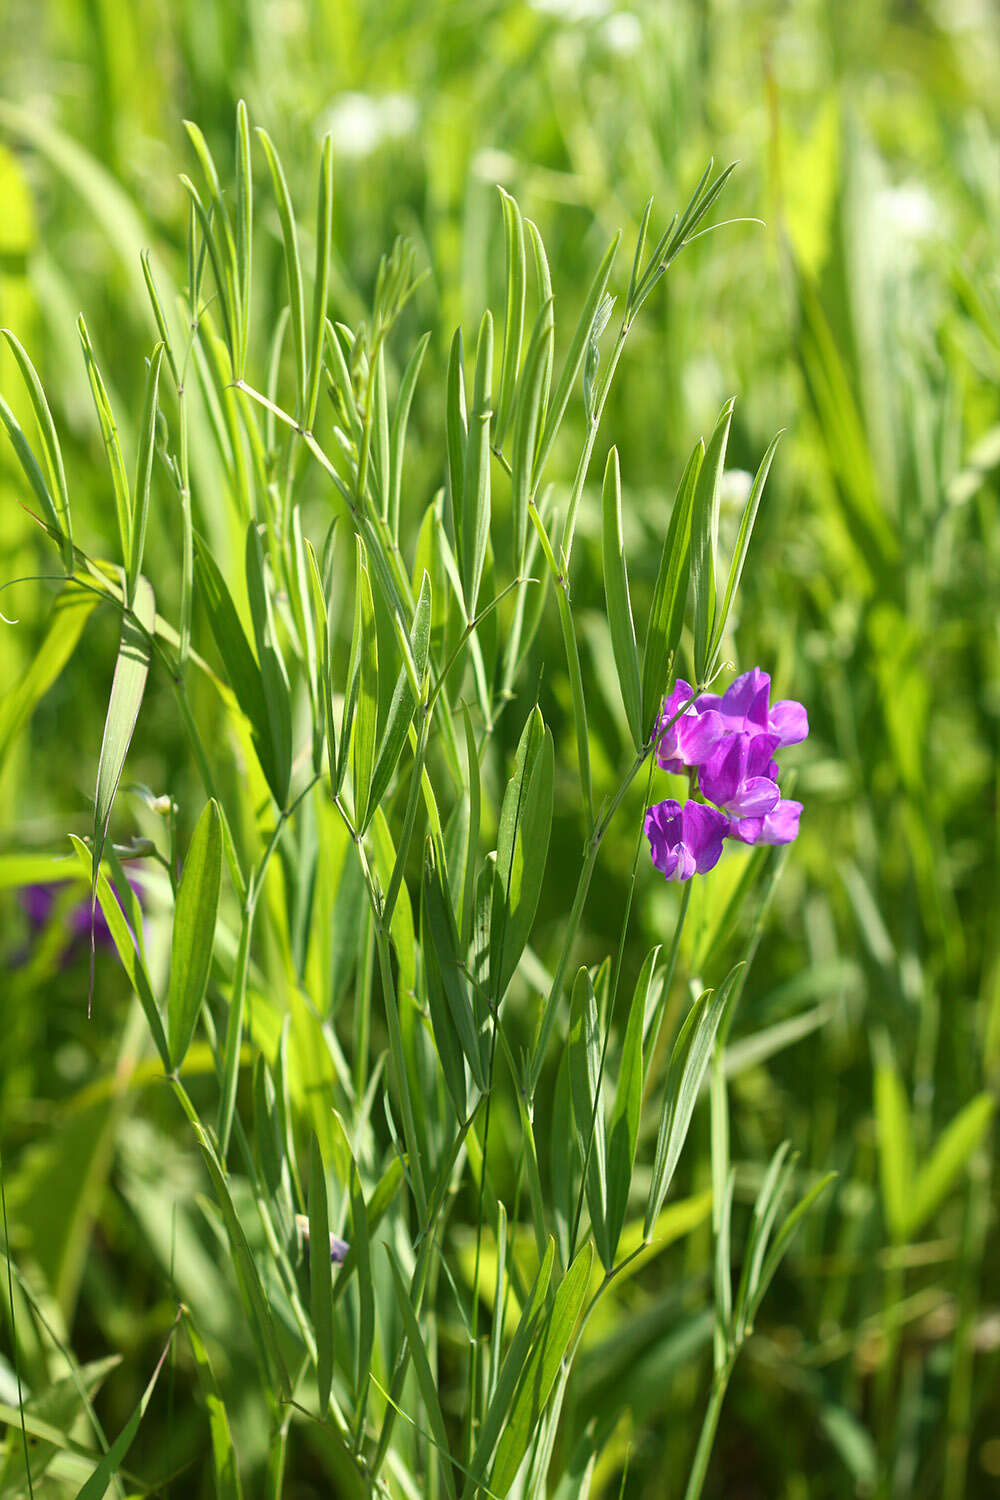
x,y
704,830
789,721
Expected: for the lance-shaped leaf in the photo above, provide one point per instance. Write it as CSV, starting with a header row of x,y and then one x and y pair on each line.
x,y
403,702
666,615
740,550
238,661
194,931
244,231
425,1377
575,355
363,671
143,474
510,1372
293,265
513,332
320,1276
619,604
445,962
70,612
456,429
273,676
57,492
227,1469
705,540
951,1154
540,1372
522,850
688,1062
96,1486
397,436
529,413
476,473
895,1142
127,688
623,1131
112,445
125,945
588,1104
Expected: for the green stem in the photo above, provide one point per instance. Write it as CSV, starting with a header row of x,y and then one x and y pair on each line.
x,y
703,1452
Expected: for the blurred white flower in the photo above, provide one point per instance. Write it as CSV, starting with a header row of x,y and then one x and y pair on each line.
x,y
573,10
622,33
734,491
360,123
908,211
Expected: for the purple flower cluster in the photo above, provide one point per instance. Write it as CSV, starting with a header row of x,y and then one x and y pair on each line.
x,y
730,742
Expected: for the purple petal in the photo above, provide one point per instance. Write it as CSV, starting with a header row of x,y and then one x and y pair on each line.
x,y
338,1249
789,721
721,774
755,797
704,830
664,830
698,735
743,699
781,826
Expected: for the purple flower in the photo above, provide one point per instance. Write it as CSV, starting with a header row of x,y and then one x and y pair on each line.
x,y
687,840
731,741
779,826
741,775
338,1247
745,708
691,738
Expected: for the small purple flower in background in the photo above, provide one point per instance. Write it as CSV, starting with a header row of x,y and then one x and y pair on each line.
x,y
731,742
38,902
338,1247
685,841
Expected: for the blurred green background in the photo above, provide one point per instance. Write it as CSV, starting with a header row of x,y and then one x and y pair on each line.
x,y
865,319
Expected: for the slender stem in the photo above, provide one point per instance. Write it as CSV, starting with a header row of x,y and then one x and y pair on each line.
x,y
703,1452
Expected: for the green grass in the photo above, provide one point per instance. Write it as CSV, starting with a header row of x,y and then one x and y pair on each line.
x,y
330,1012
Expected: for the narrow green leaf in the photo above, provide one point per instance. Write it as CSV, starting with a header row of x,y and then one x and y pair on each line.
x,y
143,474
892,1113
950,1155
456,437
741,549
441,929
400,421
364,650
476,473
33,474
293,265
112,445
193,938
511,1371
403,702
227,1470
575,356
705,540
70,612
109,1466
588,1105
513,332
51,451
623,1130
127,688
273,676
126,949
688,1064
540,1372
320,1276
527,416
619,604
321,277
244,231
425,1378
782,1240
522,849
666,615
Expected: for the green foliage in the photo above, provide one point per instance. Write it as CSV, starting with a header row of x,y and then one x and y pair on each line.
x,y
391,653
